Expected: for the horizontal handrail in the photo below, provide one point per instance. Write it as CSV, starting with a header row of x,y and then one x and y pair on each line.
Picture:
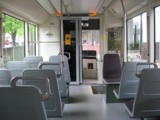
x,y
69,54
41,64
45,96
143,64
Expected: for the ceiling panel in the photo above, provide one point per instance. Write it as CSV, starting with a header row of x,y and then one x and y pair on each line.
x,y
37,10
46,5
75,6
29,9
133,5
80,6
130,6
116,9
56,4
104,5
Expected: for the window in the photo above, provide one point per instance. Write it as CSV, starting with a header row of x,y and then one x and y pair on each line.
x,y
157,34
137,38
32,40
13,38
90,40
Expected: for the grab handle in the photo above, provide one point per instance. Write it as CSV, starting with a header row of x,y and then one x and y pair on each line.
x,y
45,96
41,64
144,64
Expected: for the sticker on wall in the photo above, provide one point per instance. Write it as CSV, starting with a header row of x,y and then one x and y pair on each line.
x,y
103,37
67,39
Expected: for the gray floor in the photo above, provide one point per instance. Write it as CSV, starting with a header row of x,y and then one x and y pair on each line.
x,y
86,106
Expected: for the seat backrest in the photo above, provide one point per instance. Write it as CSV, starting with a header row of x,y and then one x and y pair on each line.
x,y
146,103
56,66
66,69
21,103
129,81
5,77
53,105
33,60
16,67
111,68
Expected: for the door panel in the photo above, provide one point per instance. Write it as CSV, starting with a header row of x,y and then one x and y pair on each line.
x,y
71,38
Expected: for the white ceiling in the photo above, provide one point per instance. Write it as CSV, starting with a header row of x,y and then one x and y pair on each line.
x,y
99,6
81,6
39,10
76,6
28,9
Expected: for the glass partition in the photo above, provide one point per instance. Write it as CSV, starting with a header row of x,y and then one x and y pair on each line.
x,y
157,34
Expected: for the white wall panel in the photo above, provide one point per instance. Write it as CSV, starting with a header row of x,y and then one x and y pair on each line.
x,y
49,44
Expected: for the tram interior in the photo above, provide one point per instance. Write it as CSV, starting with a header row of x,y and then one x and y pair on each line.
x,y
71,38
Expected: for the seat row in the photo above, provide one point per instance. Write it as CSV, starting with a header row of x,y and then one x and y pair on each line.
x,y
15,107
31,72
39,94
54,63
137,86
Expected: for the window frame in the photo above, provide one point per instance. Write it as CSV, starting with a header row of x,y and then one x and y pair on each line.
x,y
127,41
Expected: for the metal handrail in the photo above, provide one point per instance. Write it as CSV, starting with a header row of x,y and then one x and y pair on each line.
x,y
141,64
45,96
41,64
69,54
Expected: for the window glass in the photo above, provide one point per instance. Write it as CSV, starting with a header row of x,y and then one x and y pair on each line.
x,y
13,38
91,40
157,34
137,38
32,40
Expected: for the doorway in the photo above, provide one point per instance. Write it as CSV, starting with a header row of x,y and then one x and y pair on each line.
x,y
72,32
90,50
82,41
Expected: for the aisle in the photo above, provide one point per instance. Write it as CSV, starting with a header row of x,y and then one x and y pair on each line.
x,y
85,106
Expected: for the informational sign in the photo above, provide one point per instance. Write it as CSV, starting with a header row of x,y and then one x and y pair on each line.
x,y
67,39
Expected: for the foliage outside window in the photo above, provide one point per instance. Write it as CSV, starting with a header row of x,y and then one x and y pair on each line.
x,y
13,38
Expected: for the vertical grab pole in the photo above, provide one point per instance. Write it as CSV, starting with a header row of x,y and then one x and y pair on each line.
x,y
1,40
61,27
124,54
